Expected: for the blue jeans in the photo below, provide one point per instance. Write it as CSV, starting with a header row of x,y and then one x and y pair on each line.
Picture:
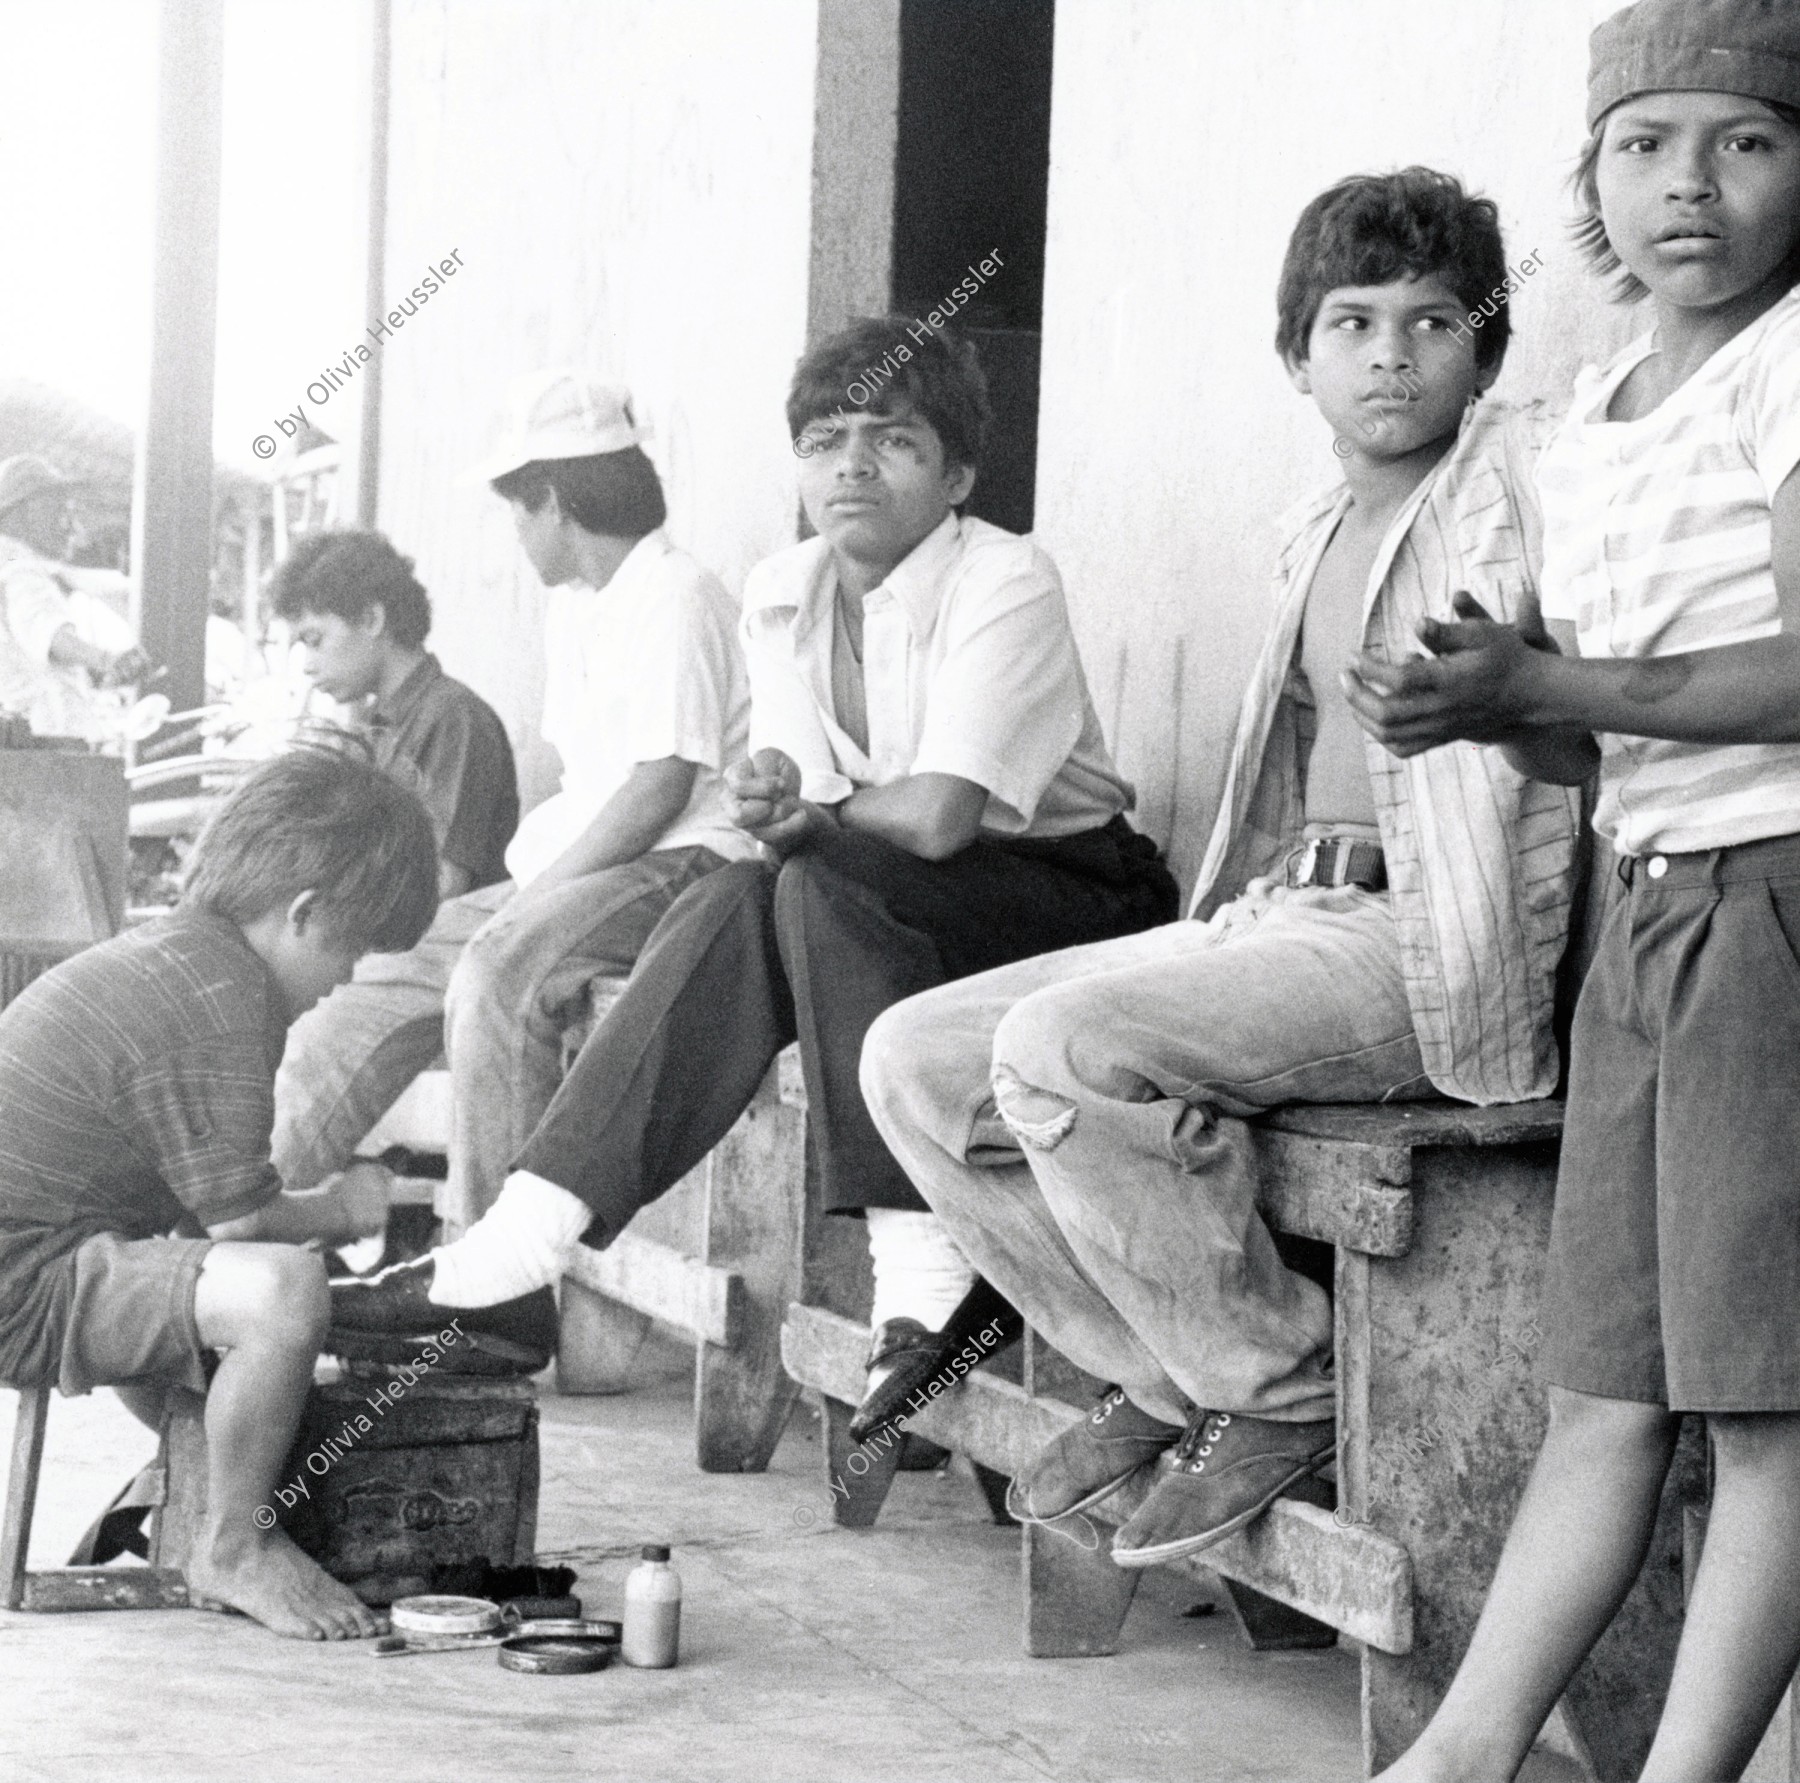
x,y
1077,1121
497,978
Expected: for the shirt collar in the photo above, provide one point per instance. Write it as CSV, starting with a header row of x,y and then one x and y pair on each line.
x,y
404,700
638,561
916,582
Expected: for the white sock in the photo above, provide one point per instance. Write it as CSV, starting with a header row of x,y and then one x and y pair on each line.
x,y
919,1272
524,1241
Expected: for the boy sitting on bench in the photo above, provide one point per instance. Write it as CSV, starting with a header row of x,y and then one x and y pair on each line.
x,y
929,777
144,1238
1364,930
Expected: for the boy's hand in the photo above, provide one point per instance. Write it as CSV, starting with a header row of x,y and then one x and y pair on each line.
x,y
361,1195
761,791
1477,685
762,797
128,668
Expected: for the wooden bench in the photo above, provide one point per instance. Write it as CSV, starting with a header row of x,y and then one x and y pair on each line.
x,y
1438,1218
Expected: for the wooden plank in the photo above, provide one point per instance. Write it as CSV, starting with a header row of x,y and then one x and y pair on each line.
x,y
658,1280
1412,1124
789,1079
1352,1577
21,1492
760,1224
106,1588
1359,1581
1342,1191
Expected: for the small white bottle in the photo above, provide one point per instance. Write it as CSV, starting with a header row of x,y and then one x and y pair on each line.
x,y
652,1611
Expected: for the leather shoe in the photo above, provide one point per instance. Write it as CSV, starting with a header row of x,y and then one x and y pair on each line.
x,y
521,1332
1090,1460
921,1363
1227,1470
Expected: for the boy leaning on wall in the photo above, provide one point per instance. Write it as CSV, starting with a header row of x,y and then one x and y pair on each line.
x,y
145,1241
1362,930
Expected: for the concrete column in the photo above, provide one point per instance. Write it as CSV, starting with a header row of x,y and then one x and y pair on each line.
x,y
362,466
172,530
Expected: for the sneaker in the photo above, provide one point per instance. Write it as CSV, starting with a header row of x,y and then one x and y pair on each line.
x,y
1089,1461
1228,1469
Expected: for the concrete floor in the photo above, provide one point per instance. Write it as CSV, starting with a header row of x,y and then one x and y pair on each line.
x,y
807,1652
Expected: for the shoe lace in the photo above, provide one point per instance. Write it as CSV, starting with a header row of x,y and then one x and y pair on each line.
x,y
1197,1438
1115,1397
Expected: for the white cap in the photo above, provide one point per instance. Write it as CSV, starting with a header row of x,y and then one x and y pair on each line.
x,y
561,413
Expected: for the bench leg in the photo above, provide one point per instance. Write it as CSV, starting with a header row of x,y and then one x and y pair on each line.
x,y
756,1225
21,1492
597,1343
993,1486
857,1475
1076,1599
1271,1626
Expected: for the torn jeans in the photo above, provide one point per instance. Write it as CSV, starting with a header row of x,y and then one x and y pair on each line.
x,y
1077,1122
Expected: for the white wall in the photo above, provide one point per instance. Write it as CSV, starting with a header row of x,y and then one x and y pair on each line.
x,y
1186,136
630,188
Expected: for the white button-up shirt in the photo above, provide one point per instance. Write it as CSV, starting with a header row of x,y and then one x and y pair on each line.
x,y
969,668
644,668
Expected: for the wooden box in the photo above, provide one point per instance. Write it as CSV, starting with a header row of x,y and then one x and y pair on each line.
x,y
444,1472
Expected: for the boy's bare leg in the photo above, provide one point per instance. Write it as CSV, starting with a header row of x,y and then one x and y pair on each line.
x,y
1741,1638
267,1307
145,1403
1577,1544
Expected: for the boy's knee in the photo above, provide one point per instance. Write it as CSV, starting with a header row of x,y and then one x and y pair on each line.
x,y
896,1057
1591,1417
1034,1039
289,1296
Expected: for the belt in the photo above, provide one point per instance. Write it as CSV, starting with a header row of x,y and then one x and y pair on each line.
x,y
1334,860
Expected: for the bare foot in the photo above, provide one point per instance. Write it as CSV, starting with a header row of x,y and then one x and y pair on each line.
x,y
272,1582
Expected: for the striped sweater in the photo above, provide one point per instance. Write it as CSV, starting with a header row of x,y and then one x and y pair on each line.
x,y
1480,859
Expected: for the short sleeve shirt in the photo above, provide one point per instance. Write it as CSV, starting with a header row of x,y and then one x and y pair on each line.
x,y
1658,540
645,668
448,744
969,668
136,1097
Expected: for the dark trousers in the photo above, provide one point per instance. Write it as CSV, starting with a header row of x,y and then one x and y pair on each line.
x,y
752,958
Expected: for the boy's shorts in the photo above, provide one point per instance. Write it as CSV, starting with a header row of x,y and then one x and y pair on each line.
x,y
132,1314
1674,1271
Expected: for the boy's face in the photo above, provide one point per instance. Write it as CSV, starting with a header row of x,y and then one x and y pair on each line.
x,y
342,657
543,537
307,958
1700,193
46,523
875,485
1387,367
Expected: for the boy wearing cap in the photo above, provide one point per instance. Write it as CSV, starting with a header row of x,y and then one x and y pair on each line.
x,y
48,667
646,703
930,777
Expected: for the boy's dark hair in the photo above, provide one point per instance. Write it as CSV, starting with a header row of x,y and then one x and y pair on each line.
x,y
346,571
322,821
1377,227
616,493
1589,233
880,362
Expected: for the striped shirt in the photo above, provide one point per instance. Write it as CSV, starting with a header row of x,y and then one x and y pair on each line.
x,y
1480,859
137,1097
1657,540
